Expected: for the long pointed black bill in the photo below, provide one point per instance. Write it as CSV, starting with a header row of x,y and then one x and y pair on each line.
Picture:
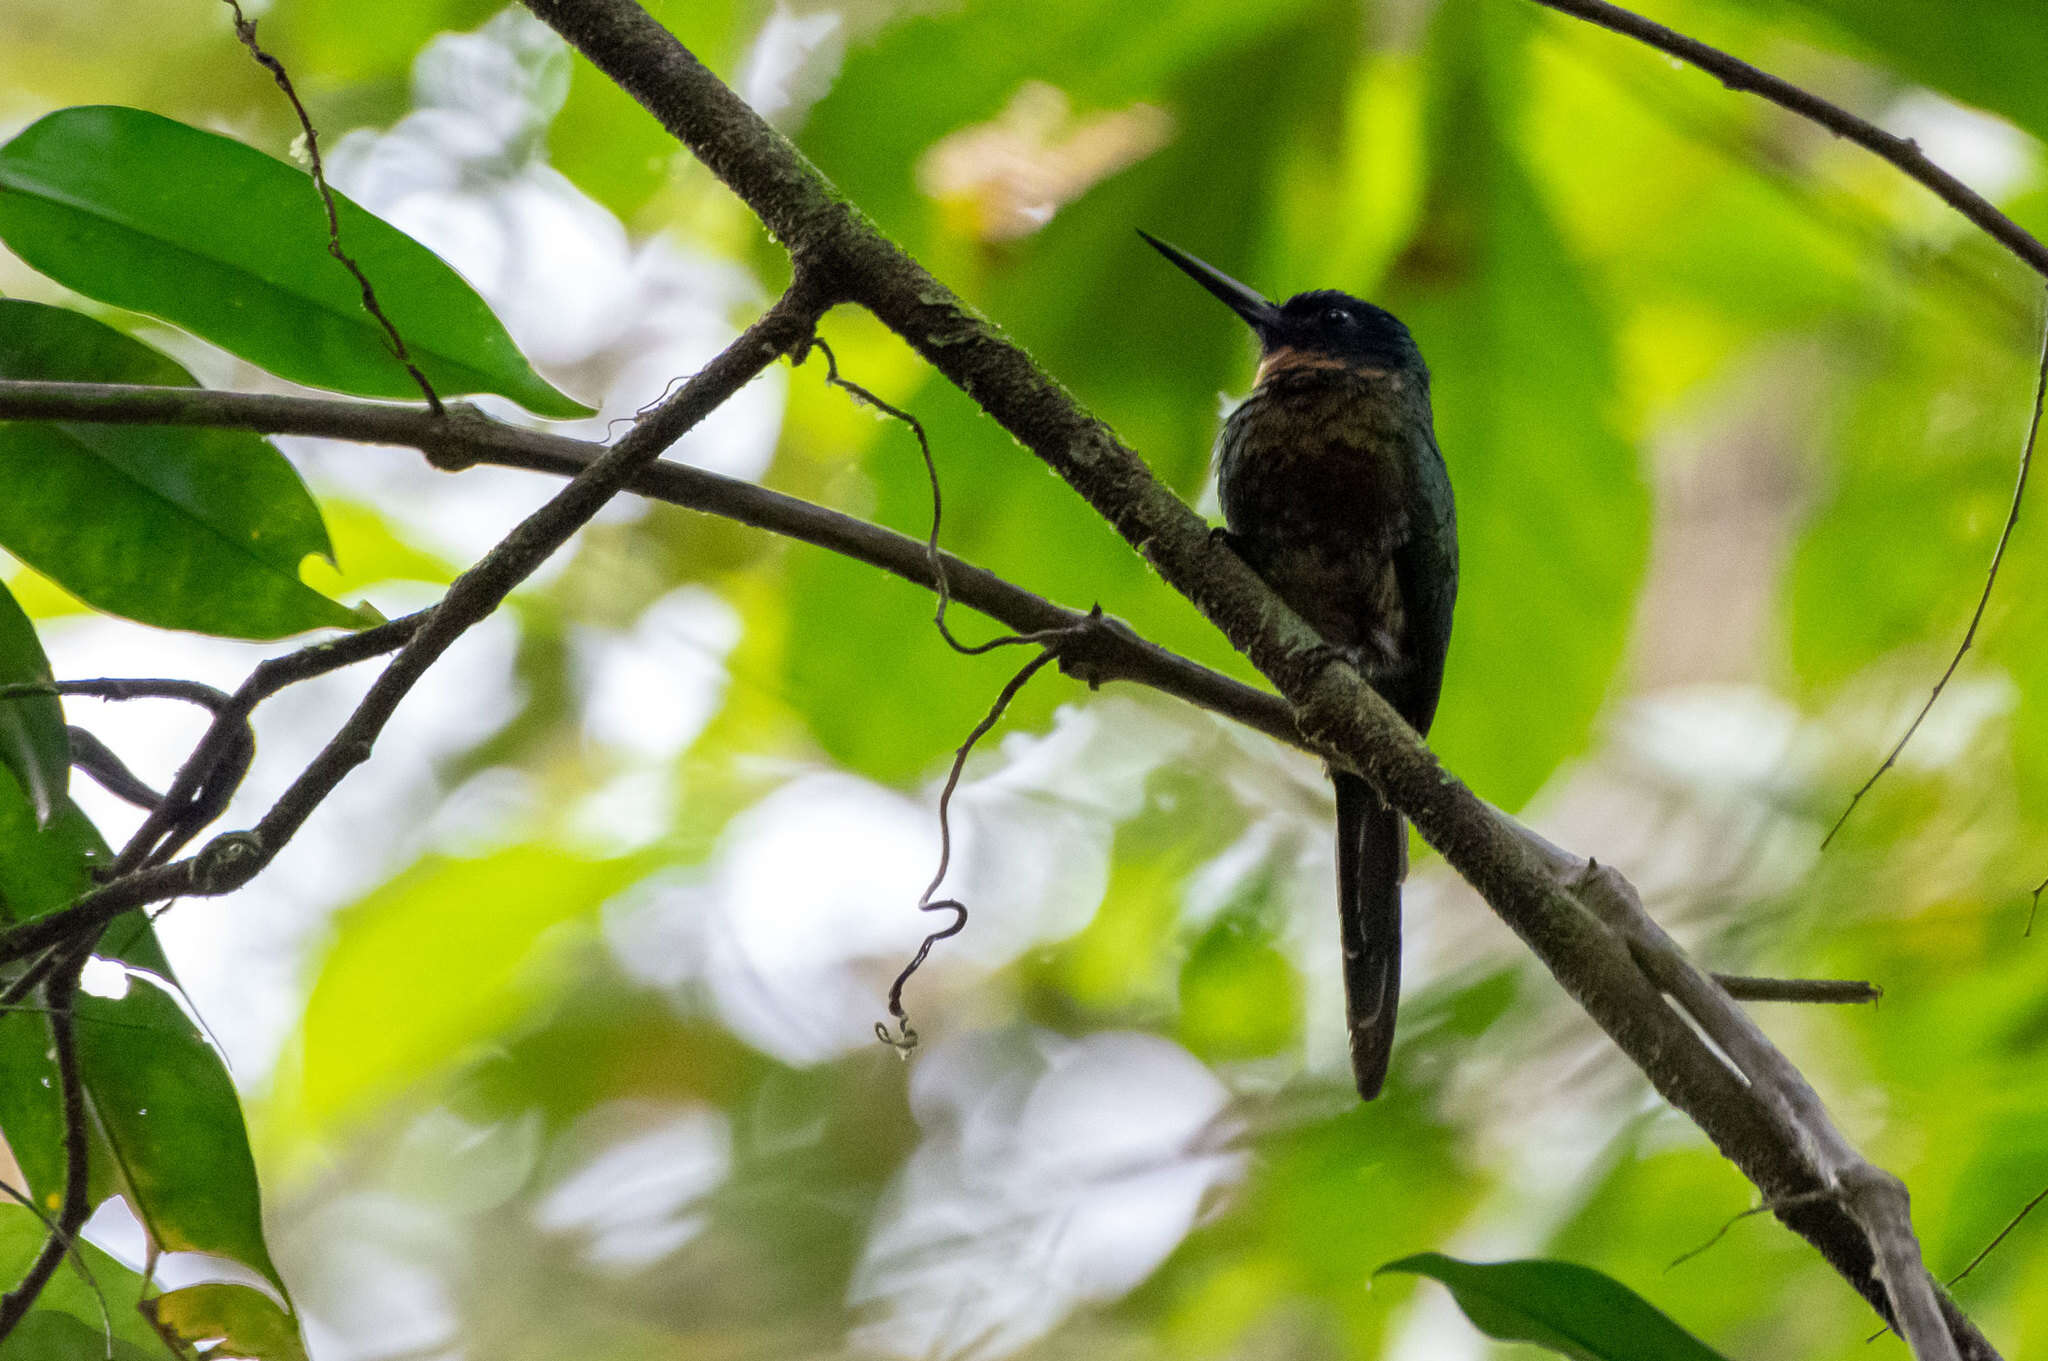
x,y
1256,311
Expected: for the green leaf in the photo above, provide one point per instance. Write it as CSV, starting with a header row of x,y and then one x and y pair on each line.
x,y
246,1322
191,529
170,1113
33,743
149,214
1573,1310
73,1317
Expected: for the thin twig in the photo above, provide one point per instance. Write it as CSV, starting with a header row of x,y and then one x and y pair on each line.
x,y
1744,988
245,29
1769,1207
479,591
611,427
29,979
2011,1224
905,1039
2012,518
1049,640
230,740
931,543
1682,1258
126,887
94,757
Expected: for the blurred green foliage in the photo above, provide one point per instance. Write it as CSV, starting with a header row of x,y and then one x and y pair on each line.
x,y
1733,417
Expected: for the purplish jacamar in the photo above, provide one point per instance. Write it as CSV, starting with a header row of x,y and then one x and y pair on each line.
x,y
1335,493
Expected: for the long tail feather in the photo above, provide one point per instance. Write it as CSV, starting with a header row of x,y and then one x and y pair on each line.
x,y
1372,855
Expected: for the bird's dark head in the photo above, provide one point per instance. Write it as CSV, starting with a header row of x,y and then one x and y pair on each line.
x,y
1323,328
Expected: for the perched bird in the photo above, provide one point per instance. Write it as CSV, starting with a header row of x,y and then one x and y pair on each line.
x,y
1335,493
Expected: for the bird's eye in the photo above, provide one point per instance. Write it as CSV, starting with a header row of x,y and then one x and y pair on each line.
x,y
1338,317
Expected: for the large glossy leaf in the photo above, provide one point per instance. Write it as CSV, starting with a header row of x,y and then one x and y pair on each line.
x,y
33,745
76,1318
164,1099
191,529
146,213
1572,1310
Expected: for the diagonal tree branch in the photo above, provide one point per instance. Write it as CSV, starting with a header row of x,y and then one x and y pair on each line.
x,y
1774,1140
